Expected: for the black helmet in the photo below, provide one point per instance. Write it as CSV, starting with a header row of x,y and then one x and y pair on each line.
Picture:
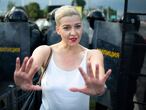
x,y
51,15
95,15
16,14
132,19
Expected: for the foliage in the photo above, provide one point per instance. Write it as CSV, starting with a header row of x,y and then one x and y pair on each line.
x,y
81,3
112,11
33,10
10,5
109,12
45,12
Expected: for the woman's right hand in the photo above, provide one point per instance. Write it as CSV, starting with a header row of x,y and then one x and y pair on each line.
x,y
24,74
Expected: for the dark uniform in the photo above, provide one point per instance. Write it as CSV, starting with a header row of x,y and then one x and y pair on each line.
x,y
132,61
18,14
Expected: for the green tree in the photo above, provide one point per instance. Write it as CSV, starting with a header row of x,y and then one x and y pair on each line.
x,y
81,3
112,13
10,5
109,12
45,12
33,10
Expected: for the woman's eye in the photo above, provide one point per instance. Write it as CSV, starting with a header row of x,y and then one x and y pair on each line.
x,y
66,28
78,26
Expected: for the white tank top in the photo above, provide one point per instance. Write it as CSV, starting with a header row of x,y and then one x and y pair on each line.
x,y
56,83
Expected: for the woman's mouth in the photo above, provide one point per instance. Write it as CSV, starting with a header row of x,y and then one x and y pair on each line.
x,y
73,39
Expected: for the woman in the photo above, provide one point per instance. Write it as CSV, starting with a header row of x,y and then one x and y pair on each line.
x,y
73,73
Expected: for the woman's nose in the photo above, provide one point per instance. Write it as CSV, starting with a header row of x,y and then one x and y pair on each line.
x,y
73,31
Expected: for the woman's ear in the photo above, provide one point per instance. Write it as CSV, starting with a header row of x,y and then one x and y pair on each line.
x,y
57,30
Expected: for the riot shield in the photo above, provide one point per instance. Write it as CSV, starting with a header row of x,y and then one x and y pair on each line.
x,y
124,57
14,42
131,64
107,37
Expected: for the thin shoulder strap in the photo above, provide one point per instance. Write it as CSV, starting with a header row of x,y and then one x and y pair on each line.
x,y
45,67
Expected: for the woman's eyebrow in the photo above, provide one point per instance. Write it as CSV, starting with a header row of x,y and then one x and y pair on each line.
x,y
78,23
70,24
65,25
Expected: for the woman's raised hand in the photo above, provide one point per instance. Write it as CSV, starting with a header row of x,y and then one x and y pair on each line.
x,y
94,84
24,74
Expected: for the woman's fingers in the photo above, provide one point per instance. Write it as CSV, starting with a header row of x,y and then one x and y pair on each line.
x,y
16,69
33,71
108,73
97,71
84,75
82,90
29,65
17,64
24,64
35,87
89,70
31,87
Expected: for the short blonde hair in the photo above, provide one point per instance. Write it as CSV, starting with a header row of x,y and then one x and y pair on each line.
x,y
65,11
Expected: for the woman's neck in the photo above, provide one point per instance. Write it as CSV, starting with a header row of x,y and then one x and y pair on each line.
x,y
67,47
64,49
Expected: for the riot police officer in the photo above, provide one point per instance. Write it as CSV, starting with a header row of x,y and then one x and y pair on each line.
x,y
92,17
95,15
18,14
135,58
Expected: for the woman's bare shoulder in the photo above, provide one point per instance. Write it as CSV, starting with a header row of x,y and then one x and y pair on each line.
x,y
95,52
95,55
40,54
43,49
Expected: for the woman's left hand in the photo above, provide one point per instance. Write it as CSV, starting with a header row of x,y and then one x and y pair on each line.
x,y
94,84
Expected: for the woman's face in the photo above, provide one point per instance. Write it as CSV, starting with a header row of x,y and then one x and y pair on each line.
x,y
70,29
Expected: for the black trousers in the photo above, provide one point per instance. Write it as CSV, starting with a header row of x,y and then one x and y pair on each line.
x,y
100,107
